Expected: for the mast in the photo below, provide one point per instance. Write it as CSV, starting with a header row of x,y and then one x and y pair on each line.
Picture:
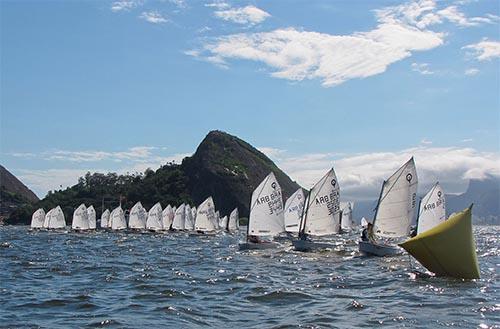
x,y
378,203
302,228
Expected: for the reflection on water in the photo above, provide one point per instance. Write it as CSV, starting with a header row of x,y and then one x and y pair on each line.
x,y
115,280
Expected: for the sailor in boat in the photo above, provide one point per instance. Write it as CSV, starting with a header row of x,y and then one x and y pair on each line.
x,y
367,234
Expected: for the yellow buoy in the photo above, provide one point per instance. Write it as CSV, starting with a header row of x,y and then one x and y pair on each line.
x,y
448,249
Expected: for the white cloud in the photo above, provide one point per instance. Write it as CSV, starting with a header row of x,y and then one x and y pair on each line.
x,y
467,140
425,141
179,3
153,17
471,71
271,152
484,50
422,68
296,55
124,5
361,175
249,15
454,15
218,5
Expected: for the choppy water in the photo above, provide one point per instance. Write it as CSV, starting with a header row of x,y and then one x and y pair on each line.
x,y
114,280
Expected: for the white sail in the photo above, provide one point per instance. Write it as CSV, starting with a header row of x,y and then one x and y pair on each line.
x,y
193,213
234,221
137,217
80,218
105,219
92,217
432,209
188,218
205,216
117,219
167,217
364,222
154,221
397,202
179,218
217,219
38,218
56,219
346,222
294,207
322,213
266,209
47,218
223,223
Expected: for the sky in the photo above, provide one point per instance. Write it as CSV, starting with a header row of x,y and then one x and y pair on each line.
x,y
358,85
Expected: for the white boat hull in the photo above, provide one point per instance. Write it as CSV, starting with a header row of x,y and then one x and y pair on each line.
x,y
306,245
258,246
373,249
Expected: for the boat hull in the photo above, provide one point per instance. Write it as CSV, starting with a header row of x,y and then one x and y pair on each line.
x,y
373,249
257,246
306,245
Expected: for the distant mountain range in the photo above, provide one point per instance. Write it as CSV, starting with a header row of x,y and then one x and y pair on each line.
x,y
484,194
224,167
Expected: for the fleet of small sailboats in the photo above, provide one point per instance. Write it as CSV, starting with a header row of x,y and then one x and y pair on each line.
x,y
445,247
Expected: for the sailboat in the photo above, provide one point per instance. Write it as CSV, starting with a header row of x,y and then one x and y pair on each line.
x,y
321,214
37,219
167,217
137,217
294,207
54,219
205,217
447,249
46,220
394,212
233,224
364,222
432,209
117,219
179,219
193,213
217,219
80,219
91,217
154,221
223,223
105,219
189,220
266,215
346,222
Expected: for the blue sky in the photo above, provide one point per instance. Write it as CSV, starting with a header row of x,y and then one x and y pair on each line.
x,y
126,85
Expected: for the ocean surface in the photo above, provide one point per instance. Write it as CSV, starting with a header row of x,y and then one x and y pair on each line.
x,y
126,280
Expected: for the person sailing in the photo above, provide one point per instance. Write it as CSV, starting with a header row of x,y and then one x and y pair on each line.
x,y
367,234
